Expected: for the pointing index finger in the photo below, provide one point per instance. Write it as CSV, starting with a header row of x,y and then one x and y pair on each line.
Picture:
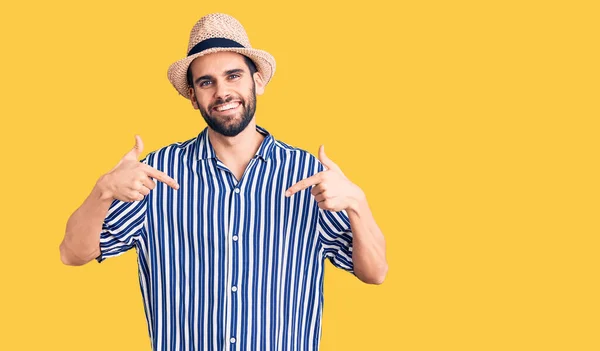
x,y
303,184
161,176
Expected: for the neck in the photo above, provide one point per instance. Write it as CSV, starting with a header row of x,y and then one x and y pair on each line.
x,y
238,149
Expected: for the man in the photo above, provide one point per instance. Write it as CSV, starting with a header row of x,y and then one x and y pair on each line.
x,y
232,239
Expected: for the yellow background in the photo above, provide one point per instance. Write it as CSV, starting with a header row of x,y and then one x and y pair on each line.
x,y
472,126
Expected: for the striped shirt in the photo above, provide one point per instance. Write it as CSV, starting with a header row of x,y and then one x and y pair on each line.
x,y
227,264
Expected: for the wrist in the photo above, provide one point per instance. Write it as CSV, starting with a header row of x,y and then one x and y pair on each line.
x,y
357,200
102,188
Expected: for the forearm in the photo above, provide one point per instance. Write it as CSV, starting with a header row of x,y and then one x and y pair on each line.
x,y
368,244
81,243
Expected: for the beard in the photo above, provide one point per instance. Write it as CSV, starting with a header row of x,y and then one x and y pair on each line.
x,y
231,125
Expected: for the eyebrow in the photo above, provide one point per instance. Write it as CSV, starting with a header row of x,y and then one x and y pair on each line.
x,y
226,73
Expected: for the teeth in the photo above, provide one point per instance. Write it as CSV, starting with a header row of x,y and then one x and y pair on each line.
x,y
228,106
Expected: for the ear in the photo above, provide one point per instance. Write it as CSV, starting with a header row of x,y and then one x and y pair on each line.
x,y
193,98
259,83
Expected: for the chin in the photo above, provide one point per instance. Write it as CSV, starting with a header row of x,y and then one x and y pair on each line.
x,y
228,125
231,130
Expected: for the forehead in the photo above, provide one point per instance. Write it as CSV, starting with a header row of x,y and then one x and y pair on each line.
x,y
217,63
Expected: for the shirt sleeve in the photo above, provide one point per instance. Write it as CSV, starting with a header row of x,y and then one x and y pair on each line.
x,y
336,237
123,227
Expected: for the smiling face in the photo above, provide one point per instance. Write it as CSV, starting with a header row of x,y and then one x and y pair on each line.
x,y
224,90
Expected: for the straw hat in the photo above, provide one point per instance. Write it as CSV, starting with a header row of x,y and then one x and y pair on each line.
x,y
214,33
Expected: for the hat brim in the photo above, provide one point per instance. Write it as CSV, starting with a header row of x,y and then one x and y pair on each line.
x,y
177,73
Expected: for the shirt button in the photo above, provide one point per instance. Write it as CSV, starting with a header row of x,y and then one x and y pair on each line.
x,y
235,237
232,340
234,289
237,190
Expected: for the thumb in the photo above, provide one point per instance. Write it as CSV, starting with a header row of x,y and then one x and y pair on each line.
x,y
326,161
136,151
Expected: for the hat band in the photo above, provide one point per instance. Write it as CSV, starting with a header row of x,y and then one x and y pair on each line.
x,y
214,43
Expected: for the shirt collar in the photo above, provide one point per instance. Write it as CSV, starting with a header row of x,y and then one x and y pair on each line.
x,y
205,149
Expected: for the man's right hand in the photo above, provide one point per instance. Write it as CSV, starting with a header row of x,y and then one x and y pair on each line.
x,y
130,180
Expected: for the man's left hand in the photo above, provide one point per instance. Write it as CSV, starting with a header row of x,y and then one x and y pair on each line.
x,y
332,190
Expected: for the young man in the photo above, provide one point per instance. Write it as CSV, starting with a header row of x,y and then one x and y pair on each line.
x,y
232,239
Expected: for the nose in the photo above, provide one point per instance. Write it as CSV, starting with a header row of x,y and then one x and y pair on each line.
x,y
222,91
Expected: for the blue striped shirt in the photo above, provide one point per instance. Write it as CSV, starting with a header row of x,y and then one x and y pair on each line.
x,y
227,264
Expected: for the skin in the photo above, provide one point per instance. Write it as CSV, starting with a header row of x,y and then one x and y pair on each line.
x,y
214,84
335,192
220,78
130,180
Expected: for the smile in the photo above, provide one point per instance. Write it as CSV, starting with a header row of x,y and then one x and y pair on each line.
x,y
227,107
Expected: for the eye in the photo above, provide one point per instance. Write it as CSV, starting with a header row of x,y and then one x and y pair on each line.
x,y
204,83
233,76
